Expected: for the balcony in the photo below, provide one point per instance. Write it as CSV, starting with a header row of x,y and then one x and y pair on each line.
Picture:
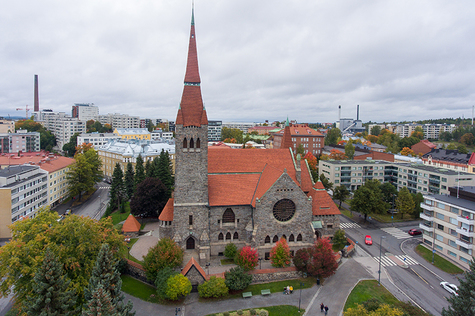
x,y
465,232
427,217
465,220
427,207
426,228
464,244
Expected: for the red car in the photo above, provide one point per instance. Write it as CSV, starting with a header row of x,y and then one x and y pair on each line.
x,y
368,240
414,232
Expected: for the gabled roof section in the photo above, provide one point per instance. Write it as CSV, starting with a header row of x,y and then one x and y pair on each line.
x,y
131,225
322,203
305,176
167,212
268,177
319,185
287,138
242,190
193,263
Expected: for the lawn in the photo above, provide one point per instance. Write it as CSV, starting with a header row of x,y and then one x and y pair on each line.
x,y
139,289
227,261
124,252
279,310
276,287
439,262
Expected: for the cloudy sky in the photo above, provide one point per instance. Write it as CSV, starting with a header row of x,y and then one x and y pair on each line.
x,y
259,60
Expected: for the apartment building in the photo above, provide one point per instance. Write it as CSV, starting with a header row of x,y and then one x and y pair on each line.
x,y
133,133
85,111
21,141
431,131
417,178
214,131
448,159
294,135
62,126
96,139
160,135
23,190
117,120
448,224
242,126
7,126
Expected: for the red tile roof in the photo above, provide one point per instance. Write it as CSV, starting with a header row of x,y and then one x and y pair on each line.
x,y
268,177
243,188
319,185
192,74
305,177
167,212
301,130
131,225
191,112
287,138
428,143
192,263
322,203
48,164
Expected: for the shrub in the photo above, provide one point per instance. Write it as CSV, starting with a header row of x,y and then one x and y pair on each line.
x,y
226,314
165,254
339,240
237,279
230,251
247,258
177,285
263,313
280,254
161,281
253,311
240,312
215,287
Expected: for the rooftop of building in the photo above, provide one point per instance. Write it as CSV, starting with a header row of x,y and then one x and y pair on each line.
x,y
13,170
133,148
459,202
97,134
131,131
297,130
447,155
47,162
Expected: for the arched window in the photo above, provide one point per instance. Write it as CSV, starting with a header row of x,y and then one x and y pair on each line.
x,y
285,237
220,236
275,239
267,241
228,216
192,143
228,236
236,236
185,143
198,143
299,237
291,238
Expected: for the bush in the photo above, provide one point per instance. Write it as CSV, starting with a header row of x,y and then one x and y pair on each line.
x,y
178,285
339,240
215,287
226,314
247,258
263,313
280,254
230,251
240,312
161,281
253,311
237,279
165,254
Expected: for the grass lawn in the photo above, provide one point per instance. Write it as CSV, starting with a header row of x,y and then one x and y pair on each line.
x,y
277,287
118,217
227,261
386,218
279,310
143,291
124,252
347,213
439,262
367,289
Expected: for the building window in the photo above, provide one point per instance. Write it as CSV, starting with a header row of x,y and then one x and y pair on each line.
x,y
190,220
228,216
185,143
452,243
451,253
236,236
198,143
439,247
440,216
441,227
285,237
439,237
275,239
267,240
220,236
299,237
284,210
453,221
228,236
291,238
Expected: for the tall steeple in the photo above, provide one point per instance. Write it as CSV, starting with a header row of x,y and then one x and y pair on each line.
x,y
191,111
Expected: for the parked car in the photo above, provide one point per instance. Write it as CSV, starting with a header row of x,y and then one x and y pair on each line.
x,y
68,211
368,240
451,288
415,231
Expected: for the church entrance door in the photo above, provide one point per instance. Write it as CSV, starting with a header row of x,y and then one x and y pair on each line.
x,y
190,243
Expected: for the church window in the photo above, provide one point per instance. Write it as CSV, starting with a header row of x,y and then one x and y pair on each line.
x,y
220,236
192,143
267,240
228,216
285,237
291,238
185,143
190,220
299,237
236,236
228,236
198,143
275,239
284,210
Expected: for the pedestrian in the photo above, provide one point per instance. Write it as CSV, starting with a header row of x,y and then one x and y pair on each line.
x,y
326,310
322,307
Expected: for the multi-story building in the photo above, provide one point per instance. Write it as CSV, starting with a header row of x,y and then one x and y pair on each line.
x,y
21,141
117,120
124,151
447,159
160,135
23,190
96,139
242,126
85,111
133,133
431,131
418,178
62,126
6,126
448,224
300,134
214,130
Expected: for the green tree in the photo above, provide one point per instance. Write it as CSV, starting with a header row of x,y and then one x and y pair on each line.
x,y
389,193
51,295
47,139
467,139
166,253
178,285
464,303
339,240
230,250
70,148
214,287
280,254
451,146
382,310
367,201
404,202
418,133
148,169
341,193
117,190
326,183
350,150
150,198
129,180
161,281
333,136
418,199
237,279
85,172
300,150
164,171
99,304
230,133
376,130
445,136
139,171
462,149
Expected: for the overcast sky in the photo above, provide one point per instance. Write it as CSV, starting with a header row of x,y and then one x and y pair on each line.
x,y
259,60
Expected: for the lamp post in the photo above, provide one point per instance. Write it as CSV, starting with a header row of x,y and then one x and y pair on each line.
x,y
128,252
379,271
207,266
177,309
300,297
260,263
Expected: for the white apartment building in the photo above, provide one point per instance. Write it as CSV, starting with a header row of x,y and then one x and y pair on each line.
x,y
242,126
159,135
431,131
85,111
62,126
214,130
117,120
448,224
96,139
23,190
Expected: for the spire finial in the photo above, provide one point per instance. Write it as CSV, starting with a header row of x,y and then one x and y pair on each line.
x,y
192,12
287,122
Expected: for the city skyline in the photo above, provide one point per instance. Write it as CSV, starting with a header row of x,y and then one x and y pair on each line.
x,y
258,61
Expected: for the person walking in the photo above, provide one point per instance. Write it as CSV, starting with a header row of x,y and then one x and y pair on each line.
x,y
322,307
326,310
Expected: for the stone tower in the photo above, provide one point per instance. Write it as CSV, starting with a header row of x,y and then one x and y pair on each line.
x,y
191,172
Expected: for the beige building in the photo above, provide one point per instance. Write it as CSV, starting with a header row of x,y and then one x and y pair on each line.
x,y
133,133
7,126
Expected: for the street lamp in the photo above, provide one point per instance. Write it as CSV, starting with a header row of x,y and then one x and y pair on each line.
x,y
207,266
300,297
260,263
379,271
128,252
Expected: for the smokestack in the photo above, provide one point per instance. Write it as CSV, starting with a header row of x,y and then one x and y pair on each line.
x,y
339,113
358,112
37,99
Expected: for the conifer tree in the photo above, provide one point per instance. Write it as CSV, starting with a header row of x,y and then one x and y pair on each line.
x,y
50,290
100,304
129,180
464,303
155,168
148,169
139,171
117,191
164,172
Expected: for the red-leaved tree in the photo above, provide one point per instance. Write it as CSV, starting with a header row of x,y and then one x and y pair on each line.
x,y
247,258
311,160
302,258
280,254
323,261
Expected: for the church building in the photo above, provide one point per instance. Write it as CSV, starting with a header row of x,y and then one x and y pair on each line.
x,y
244,196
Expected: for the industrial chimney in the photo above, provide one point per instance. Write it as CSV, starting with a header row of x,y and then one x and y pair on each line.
x,y
358,112
37,99
339,113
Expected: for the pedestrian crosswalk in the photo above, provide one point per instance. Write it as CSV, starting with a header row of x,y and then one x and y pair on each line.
x,y
349,225
107,187
396,232
387,262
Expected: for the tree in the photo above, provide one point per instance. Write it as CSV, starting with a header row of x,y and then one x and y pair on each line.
x,y
376,130
404,202
50,290
339,240
280,254
323,261
451,146
445,136
367,201
150,198
389,192
341,193
214,287
148,169
418,133
139,171
161,281
350,150
230,250
333,136
300,150
166,253
408,142
231,133
311,161
129,180
462,149
337,155
106,274
100,304
326,183
247,258
467,139
418,199
406,151
70,148
117,190
464,303
164,171
85,172
302,258
76,241
178,285
237,279
47,139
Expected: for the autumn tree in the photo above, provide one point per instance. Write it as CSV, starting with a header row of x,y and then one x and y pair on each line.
x,y
382,310
166,253
311,161
302,258
406,151
418,133
349,150
337,155
150,198
467,139
247,258
323,260
280,254
129,181
85,172
230,133
404,202
178,286
341,193
139,171
47,138
214,287
464,303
